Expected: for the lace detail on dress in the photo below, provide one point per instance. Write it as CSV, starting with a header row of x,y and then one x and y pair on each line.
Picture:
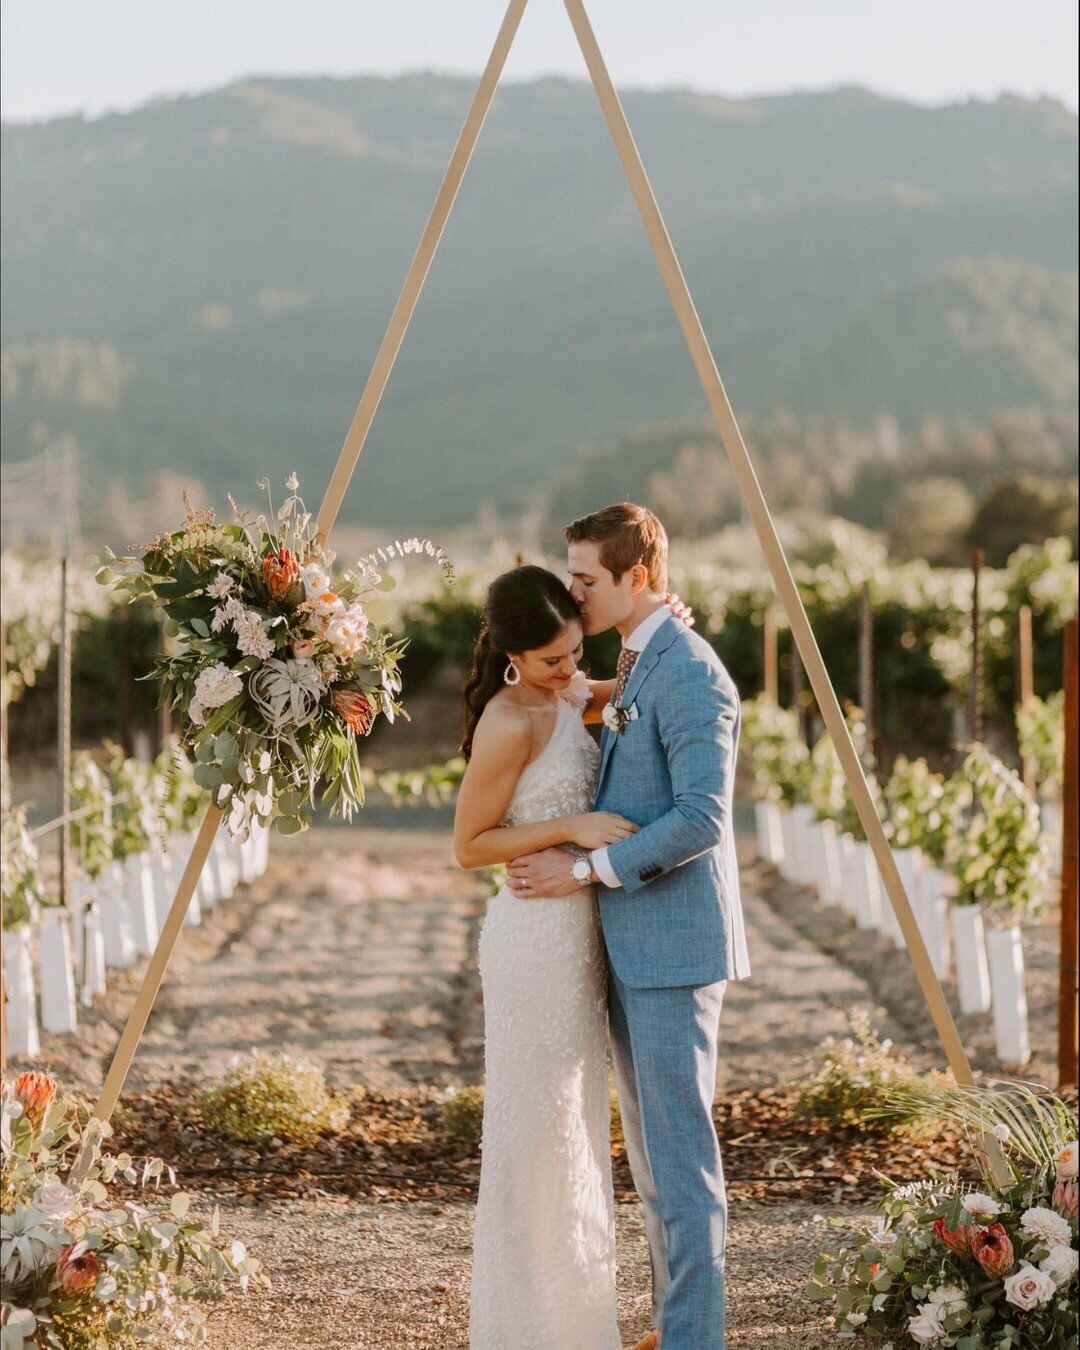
x,y
544,1242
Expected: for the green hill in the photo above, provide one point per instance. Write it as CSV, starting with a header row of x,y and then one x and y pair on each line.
x,y
202,284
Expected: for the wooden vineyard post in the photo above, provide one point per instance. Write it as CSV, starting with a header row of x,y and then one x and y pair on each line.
x,y
975,727
1025,683
866,663
63,727
769,637
1068,985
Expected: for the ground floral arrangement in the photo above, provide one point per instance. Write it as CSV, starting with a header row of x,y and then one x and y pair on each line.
x,y
277,667
953,1263
86,1266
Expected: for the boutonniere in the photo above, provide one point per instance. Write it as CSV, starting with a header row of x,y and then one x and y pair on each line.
x,y
616,718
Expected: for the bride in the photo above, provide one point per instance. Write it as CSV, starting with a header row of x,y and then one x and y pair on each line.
x,y
544,1241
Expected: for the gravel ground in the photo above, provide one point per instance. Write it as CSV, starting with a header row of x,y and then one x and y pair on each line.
x,y
350,1275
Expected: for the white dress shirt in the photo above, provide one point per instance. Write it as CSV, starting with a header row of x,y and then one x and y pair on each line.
x,y
637,642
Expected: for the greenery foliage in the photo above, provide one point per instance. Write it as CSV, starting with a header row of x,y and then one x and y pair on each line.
x,y
851,1079
85,1268
266,1096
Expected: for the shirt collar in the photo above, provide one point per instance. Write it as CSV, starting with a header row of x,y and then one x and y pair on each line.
x,y
640,637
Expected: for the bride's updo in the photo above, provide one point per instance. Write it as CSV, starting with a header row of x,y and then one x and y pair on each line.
x,y
525,608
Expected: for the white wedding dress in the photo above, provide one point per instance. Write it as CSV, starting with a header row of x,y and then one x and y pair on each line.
x,y
544,1241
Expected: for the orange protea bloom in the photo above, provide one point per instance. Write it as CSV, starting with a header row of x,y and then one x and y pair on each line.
x,y
993,1250
355,708
281,572
36,1092
77,1271
957,1239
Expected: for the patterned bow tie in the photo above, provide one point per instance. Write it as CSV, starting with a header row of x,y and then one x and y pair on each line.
x,y
623,667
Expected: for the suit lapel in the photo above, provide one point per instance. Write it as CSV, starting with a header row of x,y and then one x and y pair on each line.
x,y
660,641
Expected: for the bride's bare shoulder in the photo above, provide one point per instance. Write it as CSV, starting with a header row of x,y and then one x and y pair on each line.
x,y
503,725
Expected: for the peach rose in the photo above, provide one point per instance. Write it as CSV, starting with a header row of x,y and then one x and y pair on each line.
x,y
993,1250
355,708
77,1270
281,572
36,1092
1065,1160
304,649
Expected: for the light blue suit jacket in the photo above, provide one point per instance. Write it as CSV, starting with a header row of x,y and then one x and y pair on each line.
x,y
677,919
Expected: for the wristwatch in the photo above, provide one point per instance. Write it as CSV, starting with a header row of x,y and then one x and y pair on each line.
x,y
581,870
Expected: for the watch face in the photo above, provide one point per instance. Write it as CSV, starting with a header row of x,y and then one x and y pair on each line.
x,y
581,870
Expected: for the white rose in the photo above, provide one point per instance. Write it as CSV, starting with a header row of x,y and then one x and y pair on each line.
x,y
315,579
1046,1226
1065,1160
54,1199
1060,1264
926,1327
980,1205
1029,1288
949,1298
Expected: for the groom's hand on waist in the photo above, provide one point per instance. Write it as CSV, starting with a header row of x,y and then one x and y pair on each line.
x,y
544,876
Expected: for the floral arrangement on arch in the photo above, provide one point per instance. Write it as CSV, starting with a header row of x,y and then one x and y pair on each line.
x,y
277,666
952,1264
82,1266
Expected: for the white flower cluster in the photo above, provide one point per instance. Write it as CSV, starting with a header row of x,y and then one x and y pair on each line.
x,y
252,632
216,685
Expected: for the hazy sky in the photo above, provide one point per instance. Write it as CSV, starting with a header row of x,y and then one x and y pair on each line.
x,y
61,56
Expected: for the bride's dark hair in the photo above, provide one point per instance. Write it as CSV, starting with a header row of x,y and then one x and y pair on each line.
x,y
525,608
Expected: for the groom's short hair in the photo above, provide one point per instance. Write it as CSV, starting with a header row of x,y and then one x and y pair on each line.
x,y
626,535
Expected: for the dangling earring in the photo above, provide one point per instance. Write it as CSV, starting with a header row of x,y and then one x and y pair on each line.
x,y
511,675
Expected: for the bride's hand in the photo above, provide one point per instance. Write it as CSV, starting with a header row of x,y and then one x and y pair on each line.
x,y
600,828
681,611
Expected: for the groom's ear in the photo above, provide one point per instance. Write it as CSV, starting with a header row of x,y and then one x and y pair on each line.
x,y
639,578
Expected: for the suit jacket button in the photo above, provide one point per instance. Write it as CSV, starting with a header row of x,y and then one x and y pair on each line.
x,y
651,874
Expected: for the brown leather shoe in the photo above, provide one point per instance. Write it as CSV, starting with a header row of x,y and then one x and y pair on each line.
x,y
651,1341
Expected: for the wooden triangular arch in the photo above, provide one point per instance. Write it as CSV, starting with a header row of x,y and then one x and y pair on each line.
x,y
735,448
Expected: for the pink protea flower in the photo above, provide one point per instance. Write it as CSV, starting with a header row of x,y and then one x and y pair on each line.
x,y
77,1270
281,572
36,1092
993,1250
957,1239
1067,1198
355,708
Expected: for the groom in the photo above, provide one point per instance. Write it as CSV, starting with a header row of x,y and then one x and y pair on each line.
x,y
669,905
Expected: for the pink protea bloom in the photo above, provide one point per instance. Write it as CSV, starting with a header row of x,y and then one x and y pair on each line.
x,y
993,1250
1067,1198
36,1092
77,1271
957,1239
